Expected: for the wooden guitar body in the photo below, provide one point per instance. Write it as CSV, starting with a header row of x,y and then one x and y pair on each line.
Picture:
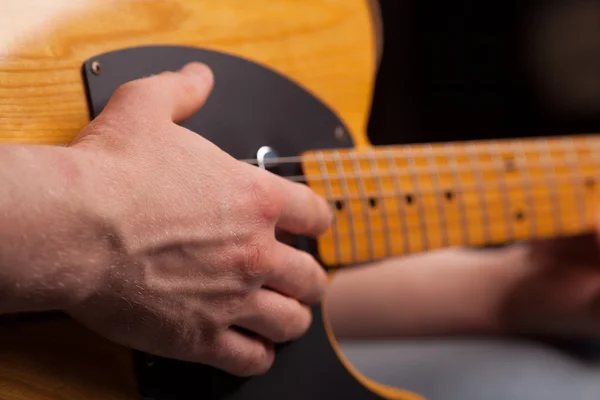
x,y
296,76
293,81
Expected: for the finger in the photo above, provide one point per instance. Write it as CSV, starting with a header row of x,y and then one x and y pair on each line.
x,y
575,250
169,95
242,355
303,212
275,317
296,274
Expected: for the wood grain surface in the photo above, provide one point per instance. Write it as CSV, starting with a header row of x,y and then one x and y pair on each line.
x,y
326,46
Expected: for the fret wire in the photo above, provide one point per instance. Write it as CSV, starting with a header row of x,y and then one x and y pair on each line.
x,y
401,207
580,195
502,187
329,191
472,188
438,199
526,186
547,209
416,188
364,207
481,193
346,193
382,208
550,171
398,252
459,190
557,142
396,249
483,167
595,156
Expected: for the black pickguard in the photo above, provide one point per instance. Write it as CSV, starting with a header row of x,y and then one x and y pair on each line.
x,y
251,106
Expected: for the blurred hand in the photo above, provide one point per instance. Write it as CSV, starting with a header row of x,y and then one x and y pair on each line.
x,y
557,292
195,256
549,288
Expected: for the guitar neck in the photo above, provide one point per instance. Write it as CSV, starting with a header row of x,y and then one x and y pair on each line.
x,y
405,199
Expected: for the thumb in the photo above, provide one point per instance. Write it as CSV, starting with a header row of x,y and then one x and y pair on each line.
x,y
171,95
192,86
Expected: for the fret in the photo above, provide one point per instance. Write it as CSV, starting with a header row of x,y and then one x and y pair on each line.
x,y
450,152
527,186
401,207
357,172
572,158
438,196
414,176
472,195
550,174
594,147
339,171
485,217
383,213
329,197
503,188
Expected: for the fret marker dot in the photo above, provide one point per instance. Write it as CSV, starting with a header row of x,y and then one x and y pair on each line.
x,y
509,164
409,199
339,205
372,202
519,216
590,182
449,195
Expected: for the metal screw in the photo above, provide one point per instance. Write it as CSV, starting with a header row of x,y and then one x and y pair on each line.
x,y
96,68
150,361
340,133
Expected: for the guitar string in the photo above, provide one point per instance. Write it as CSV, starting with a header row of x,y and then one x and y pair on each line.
x,y
407,223
345,250
372,157
466,226
428,173
480,166
541,212
528,145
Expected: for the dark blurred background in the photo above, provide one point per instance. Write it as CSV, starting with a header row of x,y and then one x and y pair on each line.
x,y
479,69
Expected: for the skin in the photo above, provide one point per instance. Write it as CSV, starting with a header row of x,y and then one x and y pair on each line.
x,y
544,288
172,258
155,238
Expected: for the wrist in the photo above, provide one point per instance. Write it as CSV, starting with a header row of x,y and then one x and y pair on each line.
x,y
55,244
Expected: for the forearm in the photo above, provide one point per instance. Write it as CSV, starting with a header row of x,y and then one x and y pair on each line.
x,y
446,292
49,239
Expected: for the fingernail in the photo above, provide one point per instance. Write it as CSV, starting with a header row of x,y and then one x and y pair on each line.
x,y
197,69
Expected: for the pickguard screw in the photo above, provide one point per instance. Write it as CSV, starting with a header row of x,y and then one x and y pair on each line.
x,y
96,68
340,133
150,361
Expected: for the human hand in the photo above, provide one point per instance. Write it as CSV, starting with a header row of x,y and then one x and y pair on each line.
x,y
194,253
556,290
546,287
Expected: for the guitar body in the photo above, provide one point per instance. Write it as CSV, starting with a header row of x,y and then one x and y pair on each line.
x,y
312,65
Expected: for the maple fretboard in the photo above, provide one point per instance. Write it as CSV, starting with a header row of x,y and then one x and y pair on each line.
x,y
404,199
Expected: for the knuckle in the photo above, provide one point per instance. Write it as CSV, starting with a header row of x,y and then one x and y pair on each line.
x,y
284,329
252,262
190,88
304,322
322,281
259,362
293,325
315,279
263,200
320,217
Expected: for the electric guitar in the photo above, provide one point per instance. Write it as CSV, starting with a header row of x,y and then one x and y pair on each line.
x,y
292,94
